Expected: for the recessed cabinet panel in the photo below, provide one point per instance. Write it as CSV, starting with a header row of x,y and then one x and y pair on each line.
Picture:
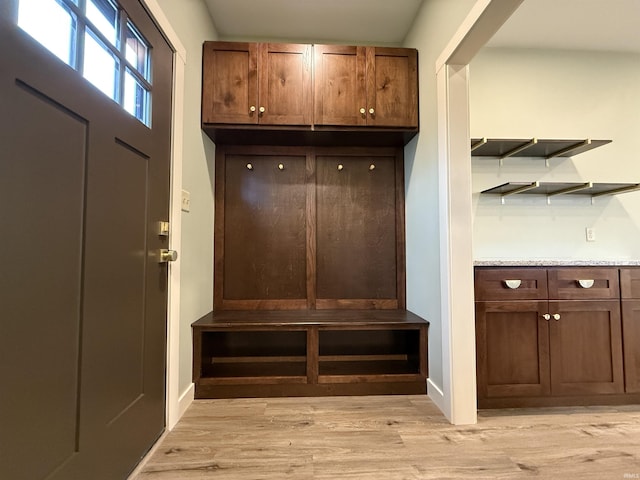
x,y
285,84
392,88
229,82
512,349
356,227
631,341
264,227
586,348
340,89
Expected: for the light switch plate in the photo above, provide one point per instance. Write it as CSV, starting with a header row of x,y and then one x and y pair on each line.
x,y
186,201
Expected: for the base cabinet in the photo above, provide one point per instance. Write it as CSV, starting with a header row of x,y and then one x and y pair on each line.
x,y
548,336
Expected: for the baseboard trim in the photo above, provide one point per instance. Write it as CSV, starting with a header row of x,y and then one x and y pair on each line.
x,y
185,400
436,395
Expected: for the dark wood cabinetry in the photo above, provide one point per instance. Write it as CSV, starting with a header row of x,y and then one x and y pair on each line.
x,y
630,290
512,349
301,228
299,353
548,333
585,347
256,83
358,86
292,94
309,262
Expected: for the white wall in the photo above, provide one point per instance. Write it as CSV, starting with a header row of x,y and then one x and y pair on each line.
x,y
434,26
518,93
191,21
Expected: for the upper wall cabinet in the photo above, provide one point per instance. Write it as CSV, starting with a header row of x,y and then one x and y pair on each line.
x,y
366,86
323,95
250,83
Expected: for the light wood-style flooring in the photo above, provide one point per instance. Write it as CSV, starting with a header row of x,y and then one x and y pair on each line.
x,y
393,438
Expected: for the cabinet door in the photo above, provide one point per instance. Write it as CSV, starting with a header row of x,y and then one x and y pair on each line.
x,y
586,347
340,88
392,87
631,342
512,341
229,82
285,84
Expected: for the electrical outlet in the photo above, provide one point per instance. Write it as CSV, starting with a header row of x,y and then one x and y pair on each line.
x,y
591,234
186,201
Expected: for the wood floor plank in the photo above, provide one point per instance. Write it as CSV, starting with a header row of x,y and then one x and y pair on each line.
x,y
393,438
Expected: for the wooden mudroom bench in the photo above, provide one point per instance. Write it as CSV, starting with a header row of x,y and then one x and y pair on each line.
x,y
309,353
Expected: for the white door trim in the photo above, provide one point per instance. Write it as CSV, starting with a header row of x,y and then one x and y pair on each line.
x,y
456,216
176,401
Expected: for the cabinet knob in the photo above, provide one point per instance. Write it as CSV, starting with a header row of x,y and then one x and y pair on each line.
x,y
546,316
252,108
363,112
372,111
262,109
556,316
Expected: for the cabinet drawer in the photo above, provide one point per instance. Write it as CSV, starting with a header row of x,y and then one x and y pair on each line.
x,y
630,282
583,283
510,284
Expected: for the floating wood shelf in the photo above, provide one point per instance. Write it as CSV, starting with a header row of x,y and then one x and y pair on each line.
x,y
531,147
551,189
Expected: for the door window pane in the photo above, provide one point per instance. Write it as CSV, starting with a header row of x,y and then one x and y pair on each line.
x,y
52,25
136,98
104,15
100,66
137,51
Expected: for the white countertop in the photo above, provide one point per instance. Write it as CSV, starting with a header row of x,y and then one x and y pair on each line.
x,y
541,262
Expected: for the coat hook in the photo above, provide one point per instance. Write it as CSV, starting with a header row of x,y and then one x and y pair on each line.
x,y
340,167
281,166
249,166
372,167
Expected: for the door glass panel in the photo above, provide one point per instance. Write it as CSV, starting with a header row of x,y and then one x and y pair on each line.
x,y
104,15
137,51
136,98
100,66
52,25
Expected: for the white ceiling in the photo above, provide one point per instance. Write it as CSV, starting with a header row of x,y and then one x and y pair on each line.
x,y
612,25
332,21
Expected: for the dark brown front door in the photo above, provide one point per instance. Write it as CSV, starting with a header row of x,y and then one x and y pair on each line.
x,y
82,295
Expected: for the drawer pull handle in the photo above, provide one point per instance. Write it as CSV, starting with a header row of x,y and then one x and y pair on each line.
x,y
513,284
585,283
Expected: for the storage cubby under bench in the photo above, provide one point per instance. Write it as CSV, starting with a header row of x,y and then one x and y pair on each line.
x,y
309,353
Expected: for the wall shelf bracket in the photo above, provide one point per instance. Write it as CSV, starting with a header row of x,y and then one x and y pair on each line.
x,y
518,149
